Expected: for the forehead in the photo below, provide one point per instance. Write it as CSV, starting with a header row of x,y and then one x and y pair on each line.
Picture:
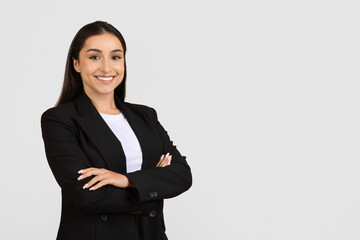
x,y
104,42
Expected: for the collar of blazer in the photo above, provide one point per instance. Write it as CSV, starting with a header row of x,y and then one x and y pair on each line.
x,y
101,135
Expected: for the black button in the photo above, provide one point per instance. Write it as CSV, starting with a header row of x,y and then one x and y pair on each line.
x,y
152,213
104,217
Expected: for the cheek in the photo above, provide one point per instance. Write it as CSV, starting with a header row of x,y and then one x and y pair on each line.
x,y
87,73
119,68
89,67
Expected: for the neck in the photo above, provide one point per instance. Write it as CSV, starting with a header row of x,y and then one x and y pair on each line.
x,y
104,103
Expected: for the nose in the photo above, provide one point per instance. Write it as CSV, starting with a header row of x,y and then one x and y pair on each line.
x,y
105,66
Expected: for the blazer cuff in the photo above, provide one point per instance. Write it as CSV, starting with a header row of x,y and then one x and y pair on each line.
x,y
141,191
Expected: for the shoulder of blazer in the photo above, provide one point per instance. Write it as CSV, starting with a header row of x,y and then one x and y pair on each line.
x,y
63,109
142,110
63,113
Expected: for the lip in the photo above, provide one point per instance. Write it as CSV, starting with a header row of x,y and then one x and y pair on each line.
x,y
105,77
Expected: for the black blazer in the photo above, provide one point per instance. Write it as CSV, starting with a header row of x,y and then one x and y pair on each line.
x,y
76,137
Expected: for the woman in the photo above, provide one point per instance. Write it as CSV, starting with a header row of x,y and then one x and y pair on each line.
x,y
112,159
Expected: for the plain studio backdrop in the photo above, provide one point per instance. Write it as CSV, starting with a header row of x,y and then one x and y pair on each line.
x,y
261,96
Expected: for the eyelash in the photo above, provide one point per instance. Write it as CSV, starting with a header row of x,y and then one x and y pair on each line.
x,y
94,57
97,57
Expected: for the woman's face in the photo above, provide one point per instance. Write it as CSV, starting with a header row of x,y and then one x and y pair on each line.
x,y
101,64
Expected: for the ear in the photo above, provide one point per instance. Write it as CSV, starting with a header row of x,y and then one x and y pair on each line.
x,y
76,65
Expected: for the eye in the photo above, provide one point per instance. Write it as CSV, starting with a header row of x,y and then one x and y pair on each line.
x,y
116,57
94,57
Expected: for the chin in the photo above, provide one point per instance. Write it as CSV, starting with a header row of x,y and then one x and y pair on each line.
x,y
106,91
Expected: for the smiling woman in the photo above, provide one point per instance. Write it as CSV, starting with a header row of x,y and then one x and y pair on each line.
x,y
101,64
113,160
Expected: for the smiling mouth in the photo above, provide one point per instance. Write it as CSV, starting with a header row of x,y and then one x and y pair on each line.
x,y
105,79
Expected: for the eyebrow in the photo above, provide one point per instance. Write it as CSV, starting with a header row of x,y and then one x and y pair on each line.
x,y
98,50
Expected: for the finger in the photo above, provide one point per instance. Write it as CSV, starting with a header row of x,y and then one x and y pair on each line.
x,y
94,180
161,159
91,172
85,170
89,169
169,162
100,184
165,161
162,162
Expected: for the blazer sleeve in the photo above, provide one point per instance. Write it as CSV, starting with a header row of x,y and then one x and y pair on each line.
x,y
162,182
66,158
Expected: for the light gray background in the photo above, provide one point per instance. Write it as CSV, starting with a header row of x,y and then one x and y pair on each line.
x,y
261,96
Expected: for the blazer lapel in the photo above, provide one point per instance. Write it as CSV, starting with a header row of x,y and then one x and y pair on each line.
x,y
141,130
100,134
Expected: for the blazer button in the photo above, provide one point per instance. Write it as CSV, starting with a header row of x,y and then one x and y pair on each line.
x,y
104,217
153,194
152,213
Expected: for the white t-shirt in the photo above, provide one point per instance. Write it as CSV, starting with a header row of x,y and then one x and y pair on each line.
x,y
130,144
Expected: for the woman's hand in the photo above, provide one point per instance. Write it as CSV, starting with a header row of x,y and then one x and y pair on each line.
x,y
103,177
164,160
106,177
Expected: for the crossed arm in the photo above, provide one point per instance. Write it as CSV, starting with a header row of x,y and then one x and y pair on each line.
x,y
106,177
115,192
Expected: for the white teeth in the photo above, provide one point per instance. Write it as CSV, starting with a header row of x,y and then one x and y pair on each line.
x,y
105,78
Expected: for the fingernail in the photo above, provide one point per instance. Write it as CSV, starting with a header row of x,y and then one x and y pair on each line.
x,y
162,156
80,177
80,171
92,188
85,186
167,154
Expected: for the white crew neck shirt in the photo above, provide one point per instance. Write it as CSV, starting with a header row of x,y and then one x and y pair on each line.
x,y
130,144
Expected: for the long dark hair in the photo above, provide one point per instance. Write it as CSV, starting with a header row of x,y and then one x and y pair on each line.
x,y
73,85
